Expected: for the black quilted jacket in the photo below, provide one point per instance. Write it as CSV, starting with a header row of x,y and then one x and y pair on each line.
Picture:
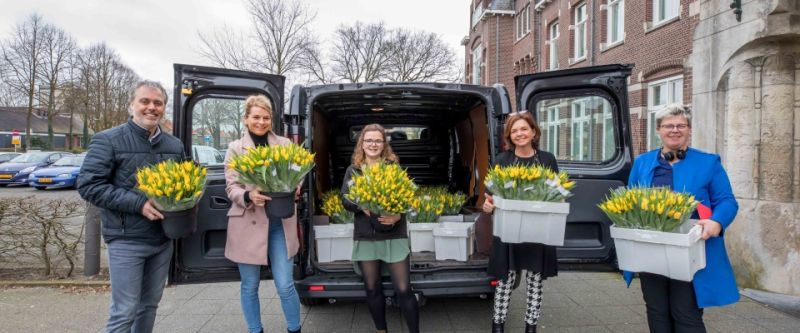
x,y
108,178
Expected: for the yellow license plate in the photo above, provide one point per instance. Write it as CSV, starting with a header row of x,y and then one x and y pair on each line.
x,y
5,176
45,180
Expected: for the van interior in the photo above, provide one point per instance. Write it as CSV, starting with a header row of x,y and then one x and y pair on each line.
x,y
440,137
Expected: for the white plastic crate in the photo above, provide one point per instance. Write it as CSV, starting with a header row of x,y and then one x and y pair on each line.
x,y
453,240
420,235
677,255
334,242
458,218
522,221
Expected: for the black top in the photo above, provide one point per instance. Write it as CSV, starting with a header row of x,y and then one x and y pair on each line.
x,y
259,140
107,179
367,227
537,258
662,174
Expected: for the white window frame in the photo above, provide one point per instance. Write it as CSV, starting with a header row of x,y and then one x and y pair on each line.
x,y
576,122
671,10
552,124
673,94
553,31
615,7
607,115
477,58
580,15
523,22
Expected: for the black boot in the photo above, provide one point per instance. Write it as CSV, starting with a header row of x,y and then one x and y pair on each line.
x,y
497,328
530,328
290,331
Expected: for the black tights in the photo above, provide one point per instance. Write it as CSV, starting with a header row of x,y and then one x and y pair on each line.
x,y
371,271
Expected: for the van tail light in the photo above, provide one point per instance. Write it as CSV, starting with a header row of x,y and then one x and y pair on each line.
x,y
493,283
316,288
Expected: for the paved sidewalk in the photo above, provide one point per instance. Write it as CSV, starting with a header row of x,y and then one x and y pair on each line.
x,y
573,302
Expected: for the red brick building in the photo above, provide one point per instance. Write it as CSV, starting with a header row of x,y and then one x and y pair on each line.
x,y
509,38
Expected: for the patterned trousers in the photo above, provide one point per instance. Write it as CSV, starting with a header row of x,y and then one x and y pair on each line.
x,y
502,298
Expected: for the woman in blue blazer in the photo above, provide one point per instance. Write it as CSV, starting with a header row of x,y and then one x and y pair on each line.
x,y
672,305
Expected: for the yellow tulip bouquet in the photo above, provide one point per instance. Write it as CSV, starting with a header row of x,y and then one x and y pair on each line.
x,y
427,205
333,207
532,183
658,208
382,188
173,186
273,168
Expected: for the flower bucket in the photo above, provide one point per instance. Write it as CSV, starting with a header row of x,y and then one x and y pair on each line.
x,y
334,242
281,205
420,235
676,255
179,224
453,240
522,221
458,218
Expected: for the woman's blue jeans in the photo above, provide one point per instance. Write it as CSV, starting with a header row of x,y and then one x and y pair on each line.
x,y
284,282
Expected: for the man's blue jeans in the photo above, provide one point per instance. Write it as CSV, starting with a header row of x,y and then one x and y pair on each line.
x,y
281,267
138,275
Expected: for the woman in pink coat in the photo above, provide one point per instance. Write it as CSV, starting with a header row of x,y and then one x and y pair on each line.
x,y
254,235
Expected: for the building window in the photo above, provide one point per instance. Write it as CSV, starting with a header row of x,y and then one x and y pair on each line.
x,y
553,46
549,139
664,10
524,22
616,21
659,94
477,58
580,32
581,130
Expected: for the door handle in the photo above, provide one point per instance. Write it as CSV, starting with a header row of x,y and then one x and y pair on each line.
x,y
220,202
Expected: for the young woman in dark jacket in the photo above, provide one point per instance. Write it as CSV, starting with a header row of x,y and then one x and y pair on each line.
x,y
521,135
380,240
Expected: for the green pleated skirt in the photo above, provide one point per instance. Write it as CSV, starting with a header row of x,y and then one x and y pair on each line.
x,y
388,251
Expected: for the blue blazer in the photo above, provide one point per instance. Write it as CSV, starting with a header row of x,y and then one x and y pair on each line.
x,y
701,174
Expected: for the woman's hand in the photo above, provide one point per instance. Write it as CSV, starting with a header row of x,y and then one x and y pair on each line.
x,y
711,228
258,199
488,204
389,219
297,193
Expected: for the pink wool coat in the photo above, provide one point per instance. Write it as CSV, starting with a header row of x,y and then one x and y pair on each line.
x,y
247,223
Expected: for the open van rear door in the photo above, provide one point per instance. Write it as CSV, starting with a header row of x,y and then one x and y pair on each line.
x,y
208,111
584,117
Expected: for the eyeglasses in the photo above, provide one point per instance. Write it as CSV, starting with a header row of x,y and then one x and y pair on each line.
x,y
670,127
373,142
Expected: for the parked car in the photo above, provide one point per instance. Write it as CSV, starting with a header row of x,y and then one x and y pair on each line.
x,y
5,157
207,155
61,174
444,134
17,170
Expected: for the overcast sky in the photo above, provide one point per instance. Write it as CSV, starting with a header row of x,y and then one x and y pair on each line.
x,y
151,35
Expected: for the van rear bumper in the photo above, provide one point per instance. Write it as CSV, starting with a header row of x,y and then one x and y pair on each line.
x,y
439,284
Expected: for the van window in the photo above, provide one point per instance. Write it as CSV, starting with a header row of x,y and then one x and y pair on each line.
x,y
215,123
397,133
577,128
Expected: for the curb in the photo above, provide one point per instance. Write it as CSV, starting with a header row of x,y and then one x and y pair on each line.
x,y
788,304
53,283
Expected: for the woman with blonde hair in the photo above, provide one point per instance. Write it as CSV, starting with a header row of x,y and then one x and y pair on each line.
x,y
380,240
254,236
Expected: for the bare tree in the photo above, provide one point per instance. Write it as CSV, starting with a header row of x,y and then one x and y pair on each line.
x,y
58,47
360,52
108,82
281,30
22,56
418,56
314,64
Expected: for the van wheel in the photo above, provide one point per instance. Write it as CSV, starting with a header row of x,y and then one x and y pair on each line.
x,y
308,301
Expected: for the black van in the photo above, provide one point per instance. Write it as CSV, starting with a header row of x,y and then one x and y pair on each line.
x,y
456,129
